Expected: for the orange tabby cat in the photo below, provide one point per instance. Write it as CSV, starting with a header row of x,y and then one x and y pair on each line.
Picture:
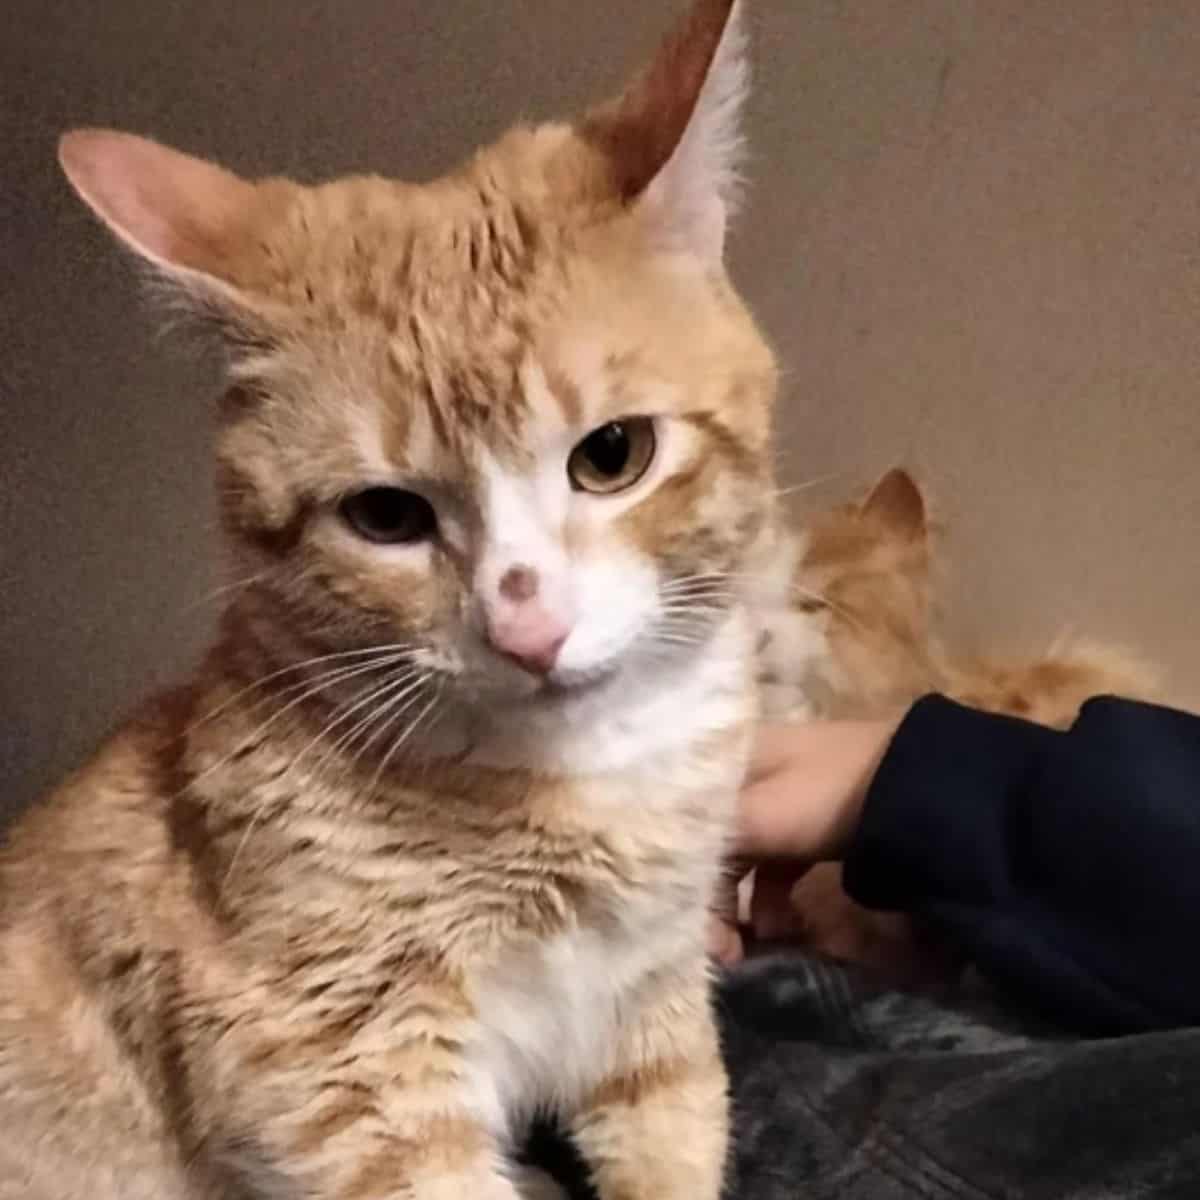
x,y
858,638
427,843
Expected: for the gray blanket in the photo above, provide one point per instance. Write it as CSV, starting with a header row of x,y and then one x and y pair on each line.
x,y
844,1091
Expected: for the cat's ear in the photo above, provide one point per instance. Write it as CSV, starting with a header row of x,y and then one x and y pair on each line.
x,y
187,217
897,500
673,138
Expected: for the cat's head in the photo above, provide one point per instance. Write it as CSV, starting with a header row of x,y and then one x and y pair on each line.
x,y
515,420
864,577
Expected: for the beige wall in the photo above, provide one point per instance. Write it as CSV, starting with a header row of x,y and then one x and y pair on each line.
x,y
974,235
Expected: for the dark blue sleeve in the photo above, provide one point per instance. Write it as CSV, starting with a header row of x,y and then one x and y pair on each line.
x,y
1067,865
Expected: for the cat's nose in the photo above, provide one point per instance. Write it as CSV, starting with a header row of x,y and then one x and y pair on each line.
x,y
528,634
523,622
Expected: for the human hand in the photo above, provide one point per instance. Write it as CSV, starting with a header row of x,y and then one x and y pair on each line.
x,y
800,804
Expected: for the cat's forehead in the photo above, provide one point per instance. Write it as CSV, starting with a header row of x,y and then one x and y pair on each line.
x,y
463,316
462,254
486,312
422,305
457,417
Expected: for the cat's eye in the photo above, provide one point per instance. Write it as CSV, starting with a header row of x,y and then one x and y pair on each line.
x,y
389,516
613,457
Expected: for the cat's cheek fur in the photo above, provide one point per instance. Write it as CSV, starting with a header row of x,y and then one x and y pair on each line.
x,y
407,592
617,599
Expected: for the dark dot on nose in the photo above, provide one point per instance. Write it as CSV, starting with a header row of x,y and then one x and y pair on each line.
x,y
519,583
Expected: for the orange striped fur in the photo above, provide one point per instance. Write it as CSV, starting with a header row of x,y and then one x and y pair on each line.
x,y
427,843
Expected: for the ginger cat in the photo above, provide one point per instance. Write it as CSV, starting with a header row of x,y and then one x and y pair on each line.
x,y
426,845
856,637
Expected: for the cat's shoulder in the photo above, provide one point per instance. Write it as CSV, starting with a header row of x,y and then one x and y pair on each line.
x,y
115,813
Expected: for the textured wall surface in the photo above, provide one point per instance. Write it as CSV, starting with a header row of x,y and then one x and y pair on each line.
x,y
974,234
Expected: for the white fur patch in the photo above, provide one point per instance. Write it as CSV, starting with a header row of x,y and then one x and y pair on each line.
x,y
550,1017
641,712
523,516
606,591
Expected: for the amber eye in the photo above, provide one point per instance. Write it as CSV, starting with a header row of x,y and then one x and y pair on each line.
x,y
389,516
613,457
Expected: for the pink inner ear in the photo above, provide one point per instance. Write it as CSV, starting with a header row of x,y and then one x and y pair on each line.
x,y
644,127
897,498
172,208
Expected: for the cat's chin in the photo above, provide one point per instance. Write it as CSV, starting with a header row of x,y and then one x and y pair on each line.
x,y
559,689
521,692
560,685
500,691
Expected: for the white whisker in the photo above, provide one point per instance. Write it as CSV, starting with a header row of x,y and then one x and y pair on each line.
x,y
411,699
677,638
252,824
395,746
381,651
717,586
710,601
405,699
326,682
392,693
815,481
223,590
347,711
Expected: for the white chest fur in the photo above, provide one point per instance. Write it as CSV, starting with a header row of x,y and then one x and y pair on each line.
x,y
550,1017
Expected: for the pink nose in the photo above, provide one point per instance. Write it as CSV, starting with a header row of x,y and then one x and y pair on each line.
x,y
527,634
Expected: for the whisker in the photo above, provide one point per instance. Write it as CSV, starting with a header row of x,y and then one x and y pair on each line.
x,y
382,650
718,586
685,581
699,577
704,586
253,823
323,679
373,693
390,694
387,758
678,638
711,600
326,682
410,698
223,590
406,698
700,591
815,481
688,622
